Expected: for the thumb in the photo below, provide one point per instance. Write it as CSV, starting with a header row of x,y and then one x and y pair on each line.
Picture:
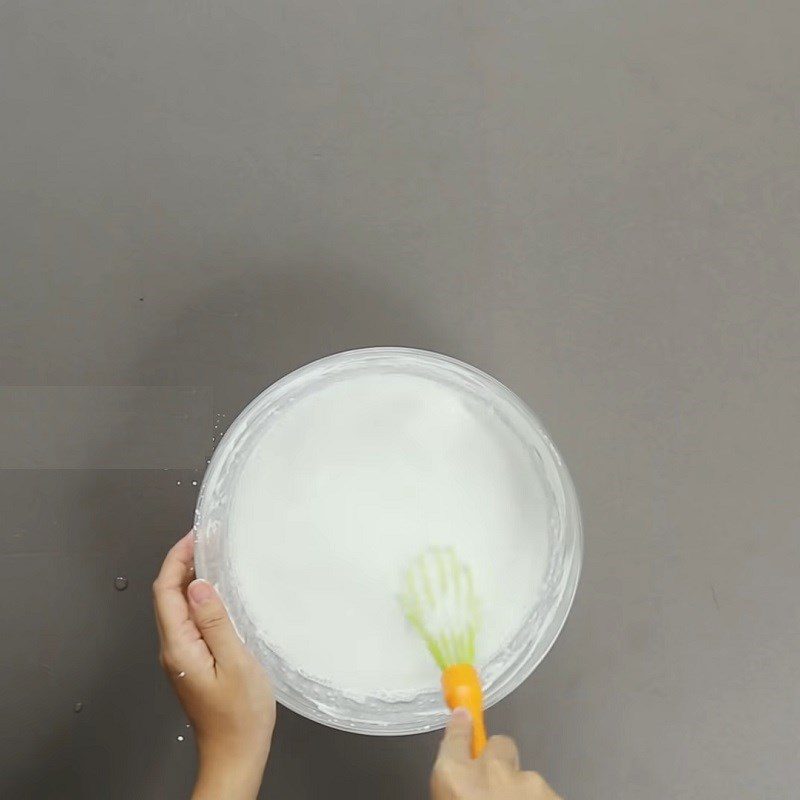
x,y
212,620
457,741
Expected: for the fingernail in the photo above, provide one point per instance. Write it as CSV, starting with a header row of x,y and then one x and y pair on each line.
x,y
200,591
461,713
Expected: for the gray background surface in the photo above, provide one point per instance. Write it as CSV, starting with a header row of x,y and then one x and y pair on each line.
x,y
597,202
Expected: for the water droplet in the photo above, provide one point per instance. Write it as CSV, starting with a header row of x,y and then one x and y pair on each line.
x,y
194,483
188,725
178,483
181,674
77,708
120,583
179,738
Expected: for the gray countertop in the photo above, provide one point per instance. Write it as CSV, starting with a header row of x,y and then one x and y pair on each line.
x,y
596,202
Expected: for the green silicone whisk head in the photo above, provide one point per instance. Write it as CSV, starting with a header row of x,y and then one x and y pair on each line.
x,y
439,600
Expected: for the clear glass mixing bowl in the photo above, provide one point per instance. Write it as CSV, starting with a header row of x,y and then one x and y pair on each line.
x,y
549,608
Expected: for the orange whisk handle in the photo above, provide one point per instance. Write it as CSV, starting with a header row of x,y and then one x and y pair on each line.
x,y
462,689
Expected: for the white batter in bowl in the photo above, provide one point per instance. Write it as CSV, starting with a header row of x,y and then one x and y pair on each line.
x,y
333,479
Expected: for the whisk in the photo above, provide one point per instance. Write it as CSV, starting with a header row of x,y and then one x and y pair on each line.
x,y
439,601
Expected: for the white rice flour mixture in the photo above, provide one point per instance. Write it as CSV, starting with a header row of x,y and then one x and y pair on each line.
x,y
344,489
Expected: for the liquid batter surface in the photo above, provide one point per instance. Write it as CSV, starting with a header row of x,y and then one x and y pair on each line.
x,y
344,488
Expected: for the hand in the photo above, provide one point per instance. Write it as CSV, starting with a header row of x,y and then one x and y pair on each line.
x,y
495,775
223,689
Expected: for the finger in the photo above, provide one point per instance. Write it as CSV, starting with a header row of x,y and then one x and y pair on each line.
x,y
503,749
213,622
457,740
172,611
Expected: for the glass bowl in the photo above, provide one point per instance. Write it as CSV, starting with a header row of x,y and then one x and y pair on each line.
x,y
375,715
